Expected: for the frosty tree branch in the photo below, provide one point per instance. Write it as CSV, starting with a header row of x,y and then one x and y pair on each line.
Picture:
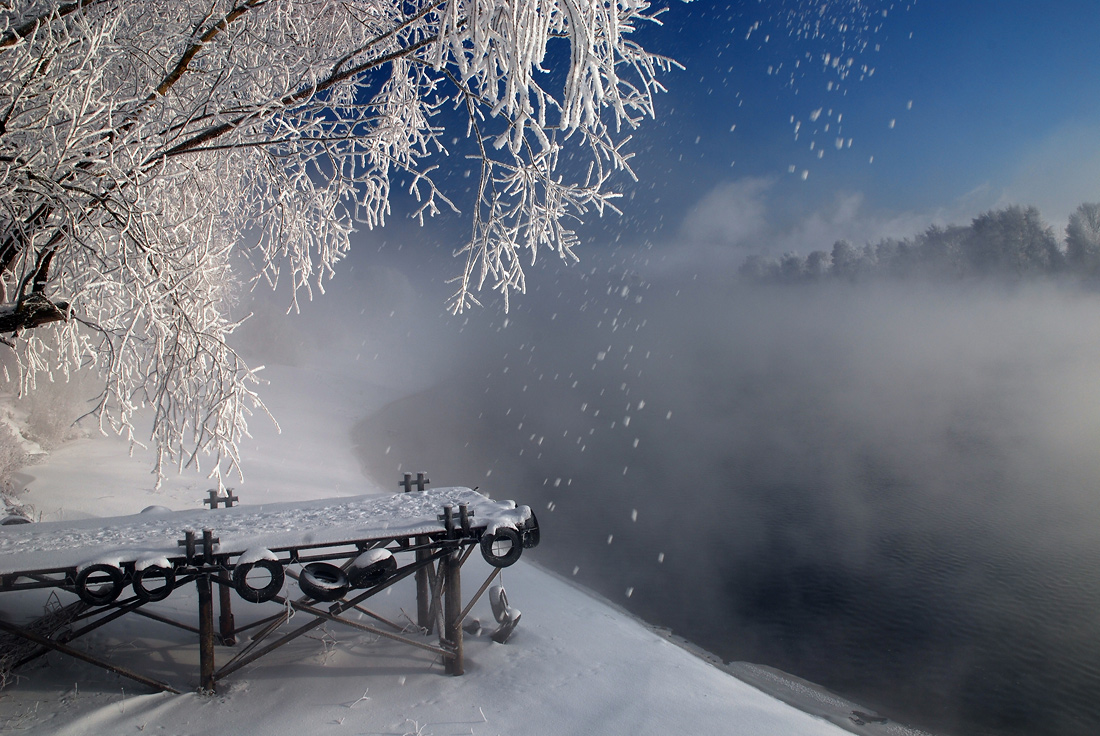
x,y
143,144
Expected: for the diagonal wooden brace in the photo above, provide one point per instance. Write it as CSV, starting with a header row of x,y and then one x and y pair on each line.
x,y
85,657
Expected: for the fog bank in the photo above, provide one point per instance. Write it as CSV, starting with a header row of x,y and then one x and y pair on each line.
x,y
874,487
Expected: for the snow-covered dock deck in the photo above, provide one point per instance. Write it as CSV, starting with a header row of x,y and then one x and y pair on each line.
x,y
340,551
59,545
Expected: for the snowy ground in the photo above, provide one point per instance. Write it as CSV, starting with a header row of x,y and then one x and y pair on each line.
x,y
575,665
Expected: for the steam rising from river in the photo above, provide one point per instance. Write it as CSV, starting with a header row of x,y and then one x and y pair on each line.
x,y
888,489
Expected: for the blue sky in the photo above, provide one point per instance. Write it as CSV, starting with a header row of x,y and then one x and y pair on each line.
x,y
950,108
972,104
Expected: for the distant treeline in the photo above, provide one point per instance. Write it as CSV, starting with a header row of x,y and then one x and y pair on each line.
x,y
1009,243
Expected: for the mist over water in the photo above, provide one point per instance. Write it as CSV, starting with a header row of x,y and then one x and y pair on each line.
x,y
888,489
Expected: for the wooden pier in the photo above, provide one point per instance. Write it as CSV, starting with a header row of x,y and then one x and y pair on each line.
x,y
340,553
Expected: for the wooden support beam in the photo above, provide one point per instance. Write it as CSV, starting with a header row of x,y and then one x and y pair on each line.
x,y
452,574
423,602
121,609
435,610
244,658
262,622
206,634
376,617
371,629
423,592
226,626
241,661
480,592
270,625
84,657
166,620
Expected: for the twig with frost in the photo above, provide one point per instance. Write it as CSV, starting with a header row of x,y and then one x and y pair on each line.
x,y
328,644
412,625
418,730
140,199
357,702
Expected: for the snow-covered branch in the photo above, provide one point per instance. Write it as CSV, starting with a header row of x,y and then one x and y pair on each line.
x,y
143,144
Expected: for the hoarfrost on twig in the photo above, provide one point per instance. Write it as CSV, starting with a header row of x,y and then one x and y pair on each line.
x,y
159,158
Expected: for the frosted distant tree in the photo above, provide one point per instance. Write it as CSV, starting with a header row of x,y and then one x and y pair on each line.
x,y
845,260
148,148
792,268
758,268
1015,241
817,265
1083,239
941,250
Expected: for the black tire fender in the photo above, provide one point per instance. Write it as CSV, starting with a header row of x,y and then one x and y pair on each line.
x,y
156,594
100,596
503,534
531,532
323,581
372,573
259,595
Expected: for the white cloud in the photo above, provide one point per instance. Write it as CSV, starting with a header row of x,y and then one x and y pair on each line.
x,y
741,217
731,214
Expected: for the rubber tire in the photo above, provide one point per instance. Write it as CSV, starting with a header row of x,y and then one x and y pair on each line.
x,y
531,532
327,573
156,594
375,574
510,557
259,595
108,595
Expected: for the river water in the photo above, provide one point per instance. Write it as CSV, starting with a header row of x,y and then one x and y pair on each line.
x,y
890,492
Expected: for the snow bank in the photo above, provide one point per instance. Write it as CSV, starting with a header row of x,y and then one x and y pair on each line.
x,y
572,666
575,665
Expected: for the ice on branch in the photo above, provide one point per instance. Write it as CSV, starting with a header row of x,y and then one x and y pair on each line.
x,y
147,149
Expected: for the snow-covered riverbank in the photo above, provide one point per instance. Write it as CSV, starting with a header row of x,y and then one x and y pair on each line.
x,y
575,665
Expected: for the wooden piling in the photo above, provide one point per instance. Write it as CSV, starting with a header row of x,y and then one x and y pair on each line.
x,y
226,625
423,591
453,610
206,633
452,596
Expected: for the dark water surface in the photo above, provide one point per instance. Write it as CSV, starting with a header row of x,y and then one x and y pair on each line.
x,y
895,494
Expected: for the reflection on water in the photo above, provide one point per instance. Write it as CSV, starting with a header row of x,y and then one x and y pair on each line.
x,y
894,495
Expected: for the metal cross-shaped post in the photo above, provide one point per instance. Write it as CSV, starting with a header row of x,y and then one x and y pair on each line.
x,y
448,519
191,545
421,481
188,543
214,500
208,542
